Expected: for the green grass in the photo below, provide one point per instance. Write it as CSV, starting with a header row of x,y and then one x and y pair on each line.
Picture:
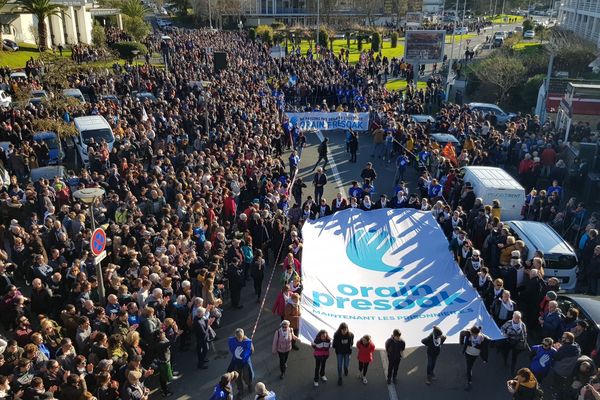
x,y
387,50
17,59
500,18
527,46
400,84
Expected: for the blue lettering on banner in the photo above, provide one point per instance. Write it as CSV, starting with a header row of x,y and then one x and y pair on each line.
x,y
389,297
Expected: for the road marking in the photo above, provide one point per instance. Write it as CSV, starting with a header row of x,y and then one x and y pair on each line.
x,y
391,387
334,168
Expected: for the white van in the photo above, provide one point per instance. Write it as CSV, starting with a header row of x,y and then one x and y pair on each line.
x,y
561,260
491,183
92,127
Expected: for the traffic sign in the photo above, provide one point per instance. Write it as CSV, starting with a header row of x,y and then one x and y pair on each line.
x,y
98,243
99,258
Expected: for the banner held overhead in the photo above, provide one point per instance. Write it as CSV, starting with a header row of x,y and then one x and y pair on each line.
x,y
385,269
330,120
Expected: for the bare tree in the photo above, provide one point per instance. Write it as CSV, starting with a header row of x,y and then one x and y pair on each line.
x,y
503,71
370,9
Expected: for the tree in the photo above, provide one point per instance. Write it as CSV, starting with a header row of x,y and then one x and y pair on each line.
x,y
528,25
252,34
323,38
502,71
394,40
41,9
98,35
134,9
136,27
370,8
265,33
539,31
376,42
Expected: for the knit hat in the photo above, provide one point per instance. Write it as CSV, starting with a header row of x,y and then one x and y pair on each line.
x,y
476,253
551,295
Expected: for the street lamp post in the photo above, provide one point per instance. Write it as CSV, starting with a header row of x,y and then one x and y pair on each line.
x,y
240,26
135,53
318,22
89,196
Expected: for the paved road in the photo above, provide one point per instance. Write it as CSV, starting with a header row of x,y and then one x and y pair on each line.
x,y
489,379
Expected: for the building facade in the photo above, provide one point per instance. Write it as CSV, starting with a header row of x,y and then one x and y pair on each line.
x,y
73,25
581,17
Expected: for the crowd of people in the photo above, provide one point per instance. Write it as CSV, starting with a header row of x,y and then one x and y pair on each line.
x,y
200,199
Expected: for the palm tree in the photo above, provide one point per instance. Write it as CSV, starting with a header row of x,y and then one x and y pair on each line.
x,y
41,9
134,9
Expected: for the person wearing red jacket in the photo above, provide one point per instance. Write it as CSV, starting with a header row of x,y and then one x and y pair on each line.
x,y
229,207
366,348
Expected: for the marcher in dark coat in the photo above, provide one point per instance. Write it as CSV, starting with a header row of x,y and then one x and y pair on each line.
x,y
475,345
433,342
394,347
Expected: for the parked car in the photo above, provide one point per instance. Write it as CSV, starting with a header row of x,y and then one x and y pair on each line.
x,y
528,35
445,138
18,75
55,154
49,172
561,260
91,127
110,98
9,45
502,117
589,311
74,93
5,99
37,96
421,119
461,31
145,96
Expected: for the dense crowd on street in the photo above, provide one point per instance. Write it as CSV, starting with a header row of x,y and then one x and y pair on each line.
x,y
200,199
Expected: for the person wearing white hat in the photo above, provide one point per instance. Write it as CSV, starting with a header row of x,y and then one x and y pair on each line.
x,y
262,393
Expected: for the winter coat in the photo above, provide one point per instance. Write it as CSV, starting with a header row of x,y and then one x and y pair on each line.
x,y
321,347
343,343
394,348
432,349
282,343
365,351
565,359
292,314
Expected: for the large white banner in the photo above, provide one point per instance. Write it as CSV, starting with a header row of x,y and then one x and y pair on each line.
x,y
330,120
381,270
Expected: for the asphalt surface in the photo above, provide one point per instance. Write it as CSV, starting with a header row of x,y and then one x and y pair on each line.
x,y
489,380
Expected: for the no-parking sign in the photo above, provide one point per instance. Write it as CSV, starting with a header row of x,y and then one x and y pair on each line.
x,y
98,243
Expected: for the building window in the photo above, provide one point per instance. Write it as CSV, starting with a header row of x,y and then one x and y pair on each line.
x,y
6,29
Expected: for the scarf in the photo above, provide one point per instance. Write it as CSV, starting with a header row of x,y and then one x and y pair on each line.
x,y
476,264
518,327
338,203
482,280
284,332
437,341
510,306
455,222
465,251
